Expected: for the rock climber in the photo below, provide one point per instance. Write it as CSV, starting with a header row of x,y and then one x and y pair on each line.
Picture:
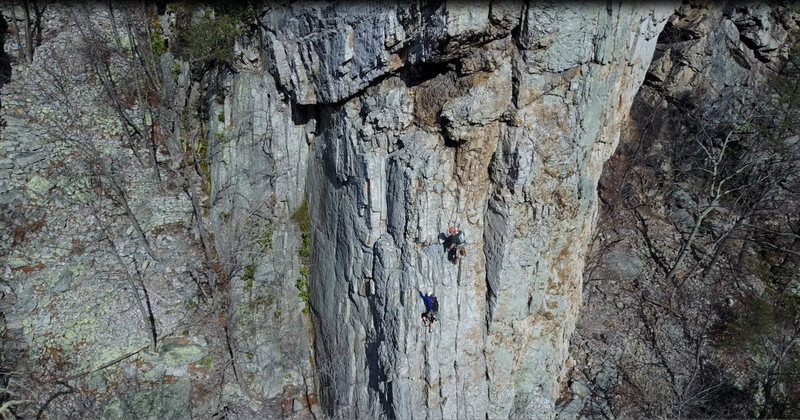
x,y
431,308
456,244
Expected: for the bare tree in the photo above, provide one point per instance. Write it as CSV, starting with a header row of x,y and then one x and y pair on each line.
x,y
711,214
33,12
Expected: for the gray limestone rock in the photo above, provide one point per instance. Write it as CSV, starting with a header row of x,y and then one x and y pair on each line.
x,y
506,139
390,124
64,281
168,401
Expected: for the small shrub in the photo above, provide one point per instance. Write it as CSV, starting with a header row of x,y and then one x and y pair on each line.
x,y
248,277
266,237
207,362
302,287
176,69
157,41
158,44
202,162
302,219
770,315
210,39
755,317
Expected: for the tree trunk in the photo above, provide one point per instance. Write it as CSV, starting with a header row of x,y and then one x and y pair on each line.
x,y
687,245
28,33
37,23
147,313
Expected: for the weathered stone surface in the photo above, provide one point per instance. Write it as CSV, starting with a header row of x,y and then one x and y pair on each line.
x,y
75,266
321,53
325,54
505,137
168,401
393,122
259,172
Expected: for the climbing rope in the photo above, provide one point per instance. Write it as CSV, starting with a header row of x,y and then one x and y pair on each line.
x,y
453,214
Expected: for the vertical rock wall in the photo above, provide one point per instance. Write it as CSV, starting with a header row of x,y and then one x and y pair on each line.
x,y
496,119
393,122
258,161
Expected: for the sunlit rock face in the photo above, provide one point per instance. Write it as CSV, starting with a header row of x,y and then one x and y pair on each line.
x,y
496,119
391,123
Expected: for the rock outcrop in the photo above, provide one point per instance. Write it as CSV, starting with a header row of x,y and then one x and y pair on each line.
x,y
389,124
495,119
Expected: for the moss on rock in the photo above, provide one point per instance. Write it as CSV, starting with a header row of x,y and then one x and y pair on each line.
x,y
167,401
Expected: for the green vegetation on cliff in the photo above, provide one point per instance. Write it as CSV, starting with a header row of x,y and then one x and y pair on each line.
x,y
302,219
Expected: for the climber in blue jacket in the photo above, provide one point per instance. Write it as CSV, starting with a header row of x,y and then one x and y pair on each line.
x,y
431,308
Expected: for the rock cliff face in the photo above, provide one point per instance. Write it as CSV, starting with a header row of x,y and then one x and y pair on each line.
x,y
389,123
494,119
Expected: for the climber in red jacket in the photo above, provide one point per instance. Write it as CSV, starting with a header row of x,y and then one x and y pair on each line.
x,y
455,244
